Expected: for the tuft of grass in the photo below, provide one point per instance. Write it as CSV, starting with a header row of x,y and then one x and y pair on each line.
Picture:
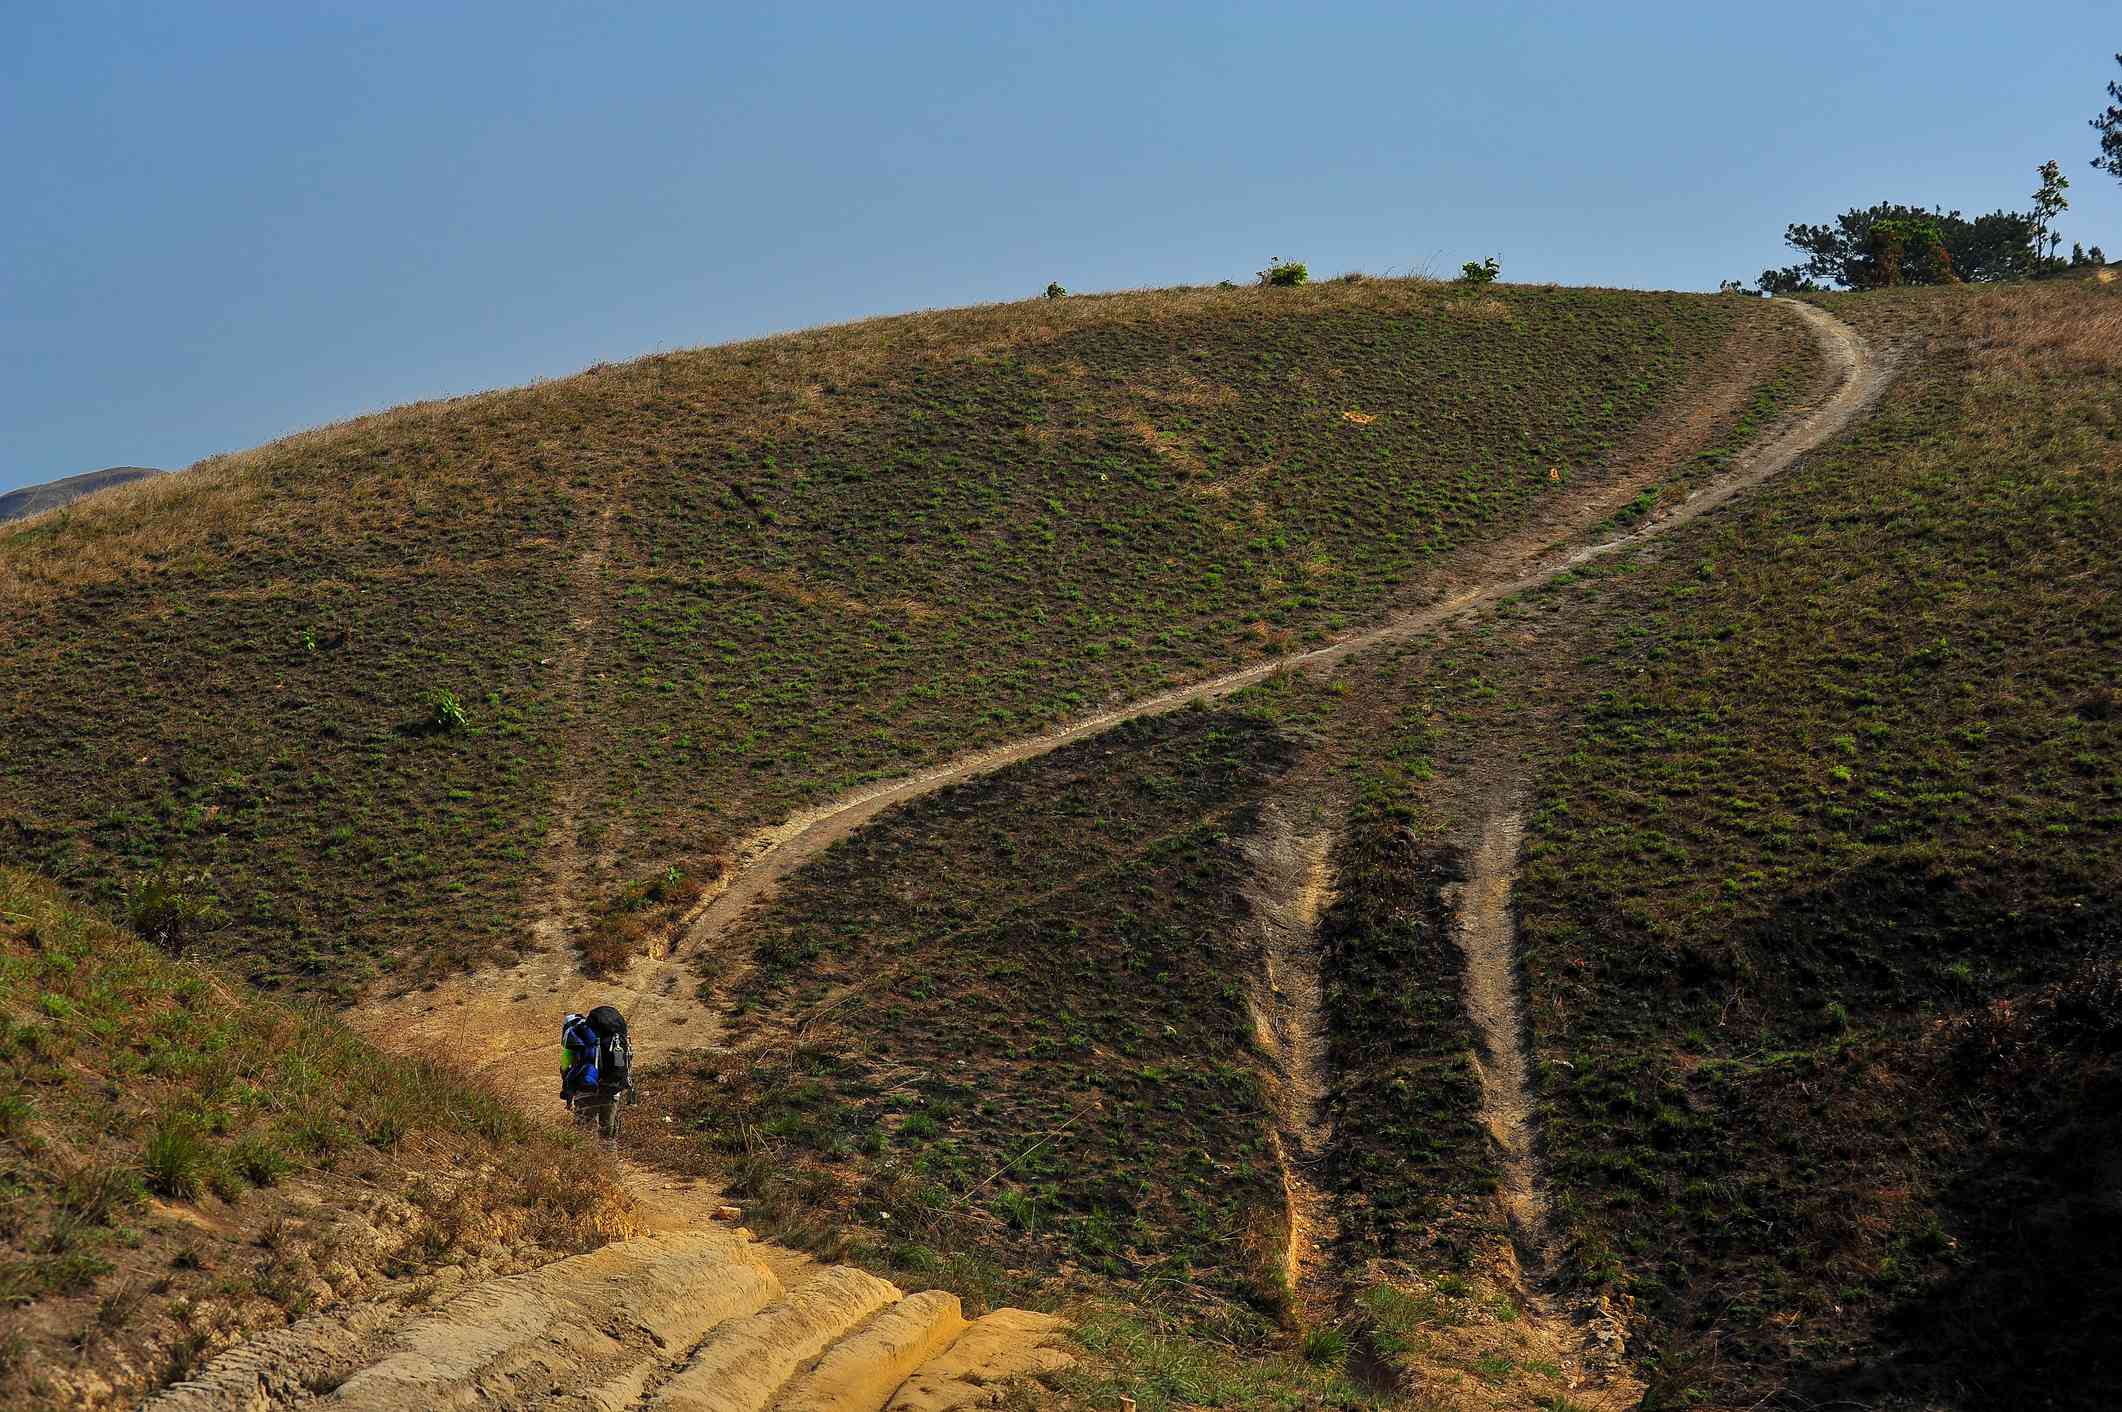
x,y
176,1159
621,929
445,712
172,907
1326,1346
1164,1366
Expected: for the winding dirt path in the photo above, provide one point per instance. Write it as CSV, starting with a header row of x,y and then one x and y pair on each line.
x,y
771,854
505,1020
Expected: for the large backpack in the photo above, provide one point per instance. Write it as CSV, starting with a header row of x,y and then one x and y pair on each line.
x,y
615,1053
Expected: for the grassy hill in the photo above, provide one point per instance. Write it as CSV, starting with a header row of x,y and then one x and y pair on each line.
x,y
676,597
1825,902
1815,910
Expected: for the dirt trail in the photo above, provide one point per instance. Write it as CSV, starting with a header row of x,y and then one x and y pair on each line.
x,y
503,1022
1584,1335
1513,567
1292,885
506,1019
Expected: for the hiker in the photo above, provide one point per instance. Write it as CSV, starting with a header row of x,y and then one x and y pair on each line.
x,y
597,1068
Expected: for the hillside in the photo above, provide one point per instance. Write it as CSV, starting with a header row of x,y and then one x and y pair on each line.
x,y
679,597
36,499
184,1163
1372,845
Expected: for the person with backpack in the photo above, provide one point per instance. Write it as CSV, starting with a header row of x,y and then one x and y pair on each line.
x,y
596,1071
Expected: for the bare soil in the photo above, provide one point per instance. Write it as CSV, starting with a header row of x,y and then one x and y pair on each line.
x,y
1487,936
1292,885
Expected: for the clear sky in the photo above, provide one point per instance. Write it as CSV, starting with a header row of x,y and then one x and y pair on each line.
x,y
224,222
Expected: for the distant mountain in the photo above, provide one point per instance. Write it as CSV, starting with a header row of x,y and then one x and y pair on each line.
x,y
34,499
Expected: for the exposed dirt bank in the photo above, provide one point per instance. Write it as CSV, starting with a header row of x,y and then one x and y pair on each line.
x,y
1292,884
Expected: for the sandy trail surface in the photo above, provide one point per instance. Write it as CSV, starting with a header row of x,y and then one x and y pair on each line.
x,y
1487,933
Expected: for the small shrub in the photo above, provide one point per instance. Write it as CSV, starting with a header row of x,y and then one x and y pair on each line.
x,y
259,1160
172,908
1285,273
15,1111
1055,291
176,1160
384,1131
1483,273
1020,1209
318,1135
94,1192
1326,1347
224,1181
445,711
116,1309
2102,703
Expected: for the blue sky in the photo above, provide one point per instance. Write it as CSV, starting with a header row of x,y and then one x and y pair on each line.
x,y
227,222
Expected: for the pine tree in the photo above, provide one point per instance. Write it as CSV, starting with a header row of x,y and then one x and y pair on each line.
x,y
2109,126
2049,203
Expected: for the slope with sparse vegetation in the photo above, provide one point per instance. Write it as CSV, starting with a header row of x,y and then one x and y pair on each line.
x,y
1822,907
1824,836
332,687
1815,908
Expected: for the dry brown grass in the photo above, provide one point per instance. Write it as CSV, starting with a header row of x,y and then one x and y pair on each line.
x,y
2066,326
816,595
2052,327
1482,310
1171,449
468,457
2024,338
1184,389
